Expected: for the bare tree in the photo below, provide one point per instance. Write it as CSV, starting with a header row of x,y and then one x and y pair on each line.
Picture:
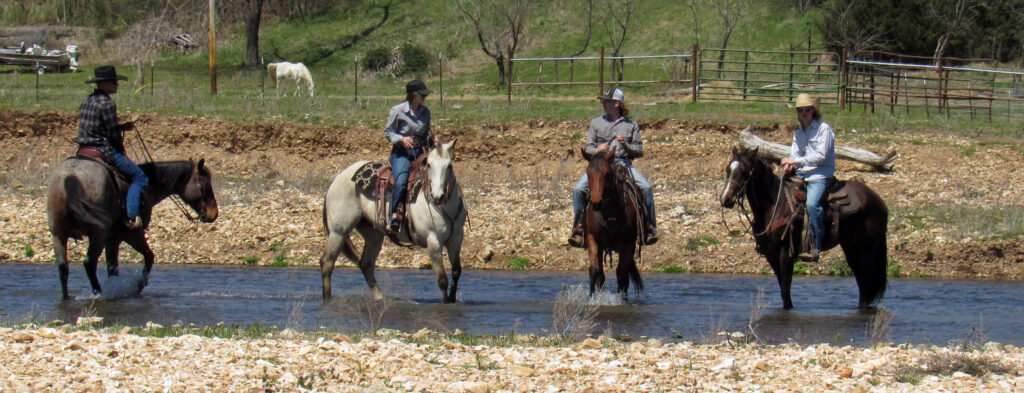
x,y
617,26
253,14
850,33
953,25
731,11
499,26
588,27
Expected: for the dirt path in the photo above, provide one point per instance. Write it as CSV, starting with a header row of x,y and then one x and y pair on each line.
x,y
516,177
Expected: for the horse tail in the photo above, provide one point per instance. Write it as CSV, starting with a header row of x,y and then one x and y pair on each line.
x,y
77,205
874,258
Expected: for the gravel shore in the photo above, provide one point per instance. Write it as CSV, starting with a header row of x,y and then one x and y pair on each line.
x,y
69,359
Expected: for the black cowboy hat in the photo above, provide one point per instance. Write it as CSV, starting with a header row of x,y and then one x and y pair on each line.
x,y
105,73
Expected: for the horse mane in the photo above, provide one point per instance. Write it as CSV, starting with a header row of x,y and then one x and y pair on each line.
x,y
164,175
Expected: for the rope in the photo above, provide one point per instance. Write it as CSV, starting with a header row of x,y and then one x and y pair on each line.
x,y
174,198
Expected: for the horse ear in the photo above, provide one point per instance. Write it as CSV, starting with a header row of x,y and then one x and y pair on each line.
x,y
611,153
202,161
586,156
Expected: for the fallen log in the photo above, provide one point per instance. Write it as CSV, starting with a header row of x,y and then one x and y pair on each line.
x,y
776,151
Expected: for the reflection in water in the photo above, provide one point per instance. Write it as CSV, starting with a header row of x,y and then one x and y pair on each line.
x,y
674,307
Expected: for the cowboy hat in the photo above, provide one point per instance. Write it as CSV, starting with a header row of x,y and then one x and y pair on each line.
x,y
105,73
804,100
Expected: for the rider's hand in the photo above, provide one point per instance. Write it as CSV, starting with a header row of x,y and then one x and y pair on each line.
x,y
407,142
602,148
621,139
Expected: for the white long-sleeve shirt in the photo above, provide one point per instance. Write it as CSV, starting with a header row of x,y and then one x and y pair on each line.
x,y
814,151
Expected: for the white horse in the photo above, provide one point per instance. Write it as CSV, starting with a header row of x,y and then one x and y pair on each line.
x,y
435,219
281,72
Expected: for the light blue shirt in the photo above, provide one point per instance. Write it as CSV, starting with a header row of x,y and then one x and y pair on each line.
x,y
814,151
402,122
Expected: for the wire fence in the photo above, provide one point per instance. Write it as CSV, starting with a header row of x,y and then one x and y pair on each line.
x,y
948,86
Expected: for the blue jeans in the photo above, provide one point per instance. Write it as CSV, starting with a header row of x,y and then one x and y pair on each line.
x,y
401,160
582,187
138,179
815,213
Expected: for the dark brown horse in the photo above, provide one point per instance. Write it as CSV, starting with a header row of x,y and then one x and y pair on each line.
x,y
612,222
778,222
85,201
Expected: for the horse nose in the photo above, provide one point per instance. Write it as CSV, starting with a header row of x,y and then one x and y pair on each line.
x,y
210,215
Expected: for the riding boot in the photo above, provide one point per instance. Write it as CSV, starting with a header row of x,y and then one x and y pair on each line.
x,y
650,235
397,216
811,252
576,239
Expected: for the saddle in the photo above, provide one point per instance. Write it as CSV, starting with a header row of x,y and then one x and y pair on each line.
x,y
837,201
374,180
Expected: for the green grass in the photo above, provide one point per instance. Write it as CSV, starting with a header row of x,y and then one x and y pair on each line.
x,y
800,268
519,263
671,269
694,243
279,260
250,260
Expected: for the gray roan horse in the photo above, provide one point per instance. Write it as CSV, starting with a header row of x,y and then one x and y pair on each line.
x,y
435,220
84,200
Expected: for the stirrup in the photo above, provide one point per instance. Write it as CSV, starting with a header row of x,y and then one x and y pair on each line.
x,y
811,256
133,224
395,224
650,238
576,239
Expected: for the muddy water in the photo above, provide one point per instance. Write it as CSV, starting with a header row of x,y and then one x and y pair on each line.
x,y
674,307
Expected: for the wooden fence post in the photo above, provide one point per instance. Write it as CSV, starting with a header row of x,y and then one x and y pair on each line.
x,y
508,78
843,75
696,75
600,85
746,68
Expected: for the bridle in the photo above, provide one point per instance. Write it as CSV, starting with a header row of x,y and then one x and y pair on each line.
x,y
738,201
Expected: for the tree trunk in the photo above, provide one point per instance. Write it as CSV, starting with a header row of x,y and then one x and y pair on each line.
x,y
253,14
500,61
776,151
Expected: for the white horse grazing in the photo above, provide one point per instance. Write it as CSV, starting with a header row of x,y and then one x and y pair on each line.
x,y
435,219
281,72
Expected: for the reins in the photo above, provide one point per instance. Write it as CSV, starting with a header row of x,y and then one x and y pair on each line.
x,y
174,198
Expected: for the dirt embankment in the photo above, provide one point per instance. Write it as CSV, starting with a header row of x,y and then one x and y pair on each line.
x,y
516,178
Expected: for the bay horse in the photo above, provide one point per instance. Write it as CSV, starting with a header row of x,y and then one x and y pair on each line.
x,y
612,222
435,219
280,73
778,223
84,200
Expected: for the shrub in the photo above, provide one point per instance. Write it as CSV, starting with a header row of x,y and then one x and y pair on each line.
x,y
415,59
376,59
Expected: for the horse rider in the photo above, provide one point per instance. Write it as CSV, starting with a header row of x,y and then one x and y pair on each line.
x,y
813,156
408,130
99,131
614,129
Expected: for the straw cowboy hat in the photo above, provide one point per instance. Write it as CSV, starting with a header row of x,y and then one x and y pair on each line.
x,y
804,100
616,94
105,73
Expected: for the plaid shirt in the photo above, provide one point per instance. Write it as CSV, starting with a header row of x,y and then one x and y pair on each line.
x,y
97,122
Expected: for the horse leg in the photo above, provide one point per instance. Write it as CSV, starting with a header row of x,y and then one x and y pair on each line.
x,y
434,251
454,248
372,242
112,250
92,258
60,251
596,268
335,242
783,268
627,270
139,243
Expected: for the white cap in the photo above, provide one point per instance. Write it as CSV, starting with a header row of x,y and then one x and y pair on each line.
x,y
614,94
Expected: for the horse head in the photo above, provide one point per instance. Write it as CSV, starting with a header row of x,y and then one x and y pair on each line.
x,y
737,174
600,176
198,192
439,172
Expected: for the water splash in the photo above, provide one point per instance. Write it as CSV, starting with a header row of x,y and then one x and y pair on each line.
x,y
122,286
